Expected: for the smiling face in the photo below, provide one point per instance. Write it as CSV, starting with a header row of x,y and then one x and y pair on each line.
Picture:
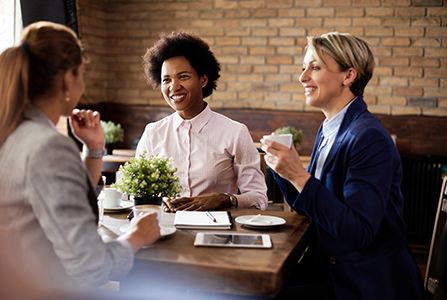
x,y
182,87
327,89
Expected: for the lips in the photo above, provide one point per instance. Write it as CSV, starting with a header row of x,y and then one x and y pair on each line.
x,y
178,98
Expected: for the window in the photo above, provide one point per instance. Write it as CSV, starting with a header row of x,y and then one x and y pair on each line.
x,y
10,23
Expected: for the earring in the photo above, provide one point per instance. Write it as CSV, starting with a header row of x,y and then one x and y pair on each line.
x,y
67,98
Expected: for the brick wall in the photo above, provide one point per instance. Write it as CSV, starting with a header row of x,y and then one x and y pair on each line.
x,y
260,45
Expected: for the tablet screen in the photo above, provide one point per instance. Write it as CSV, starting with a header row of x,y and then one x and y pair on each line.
x,y
233,240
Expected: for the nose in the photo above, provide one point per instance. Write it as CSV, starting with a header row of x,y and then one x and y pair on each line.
x,y
174,85
304,76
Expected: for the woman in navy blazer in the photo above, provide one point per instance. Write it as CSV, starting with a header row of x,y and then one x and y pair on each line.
x,y
351,188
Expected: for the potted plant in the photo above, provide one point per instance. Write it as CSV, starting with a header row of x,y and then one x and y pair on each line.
x,y
148,179
297,135
114,133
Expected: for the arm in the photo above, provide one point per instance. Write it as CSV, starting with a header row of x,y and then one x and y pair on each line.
x,y
59,187
86,127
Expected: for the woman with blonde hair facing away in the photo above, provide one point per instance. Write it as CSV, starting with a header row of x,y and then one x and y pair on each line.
x,y
351,188
48,195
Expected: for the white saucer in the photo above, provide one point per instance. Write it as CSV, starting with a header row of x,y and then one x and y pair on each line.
x,y
262,221
164,230
123,207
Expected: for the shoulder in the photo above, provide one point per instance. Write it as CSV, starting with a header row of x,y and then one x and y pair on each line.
x,y
228,122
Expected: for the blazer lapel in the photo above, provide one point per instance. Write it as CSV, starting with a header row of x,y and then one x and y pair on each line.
x,y
357,108
312,163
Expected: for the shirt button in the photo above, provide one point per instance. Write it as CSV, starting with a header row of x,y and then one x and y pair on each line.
x,y
332,260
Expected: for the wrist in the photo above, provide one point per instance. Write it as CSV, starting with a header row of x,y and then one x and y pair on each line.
x,y
233,202
93,153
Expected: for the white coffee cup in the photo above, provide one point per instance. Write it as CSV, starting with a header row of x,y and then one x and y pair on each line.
x,y
112,197
284,139
148,208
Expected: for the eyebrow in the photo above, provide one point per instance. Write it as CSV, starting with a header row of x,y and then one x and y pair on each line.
x,y
179,73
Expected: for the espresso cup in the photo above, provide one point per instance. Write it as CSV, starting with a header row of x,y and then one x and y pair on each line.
x,y
112,197
284,139
148,208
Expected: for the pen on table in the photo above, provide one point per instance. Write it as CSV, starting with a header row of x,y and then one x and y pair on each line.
x,y
211,216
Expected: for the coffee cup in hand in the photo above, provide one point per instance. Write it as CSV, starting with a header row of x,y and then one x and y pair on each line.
x,y
284,139
147,208
112,197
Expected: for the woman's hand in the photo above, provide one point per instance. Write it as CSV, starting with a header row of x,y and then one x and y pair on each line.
x,y
143,230
86,127
286,162
204,202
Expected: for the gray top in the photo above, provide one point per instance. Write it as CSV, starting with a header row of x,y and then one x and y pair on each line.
x,y
48,200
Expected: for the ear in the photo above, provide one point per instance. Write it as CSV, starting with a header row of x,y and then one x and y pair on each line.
x,y
67,80
204,80
350,76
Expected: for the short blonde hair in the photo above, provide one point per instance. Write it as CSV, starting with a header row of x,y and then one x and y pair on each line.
x,y
349,52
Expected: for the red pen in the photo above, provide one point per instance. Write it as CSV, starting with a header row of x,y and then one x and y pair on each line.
x,y
211,216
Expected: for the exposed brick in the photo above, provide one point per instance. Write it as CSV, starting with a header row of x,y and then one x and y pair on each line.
x,y
437,12
402,110
396,21
221,95
425,42
396,42
410,12
251,78
434,92
226,41
265,69
411,72
232,14
292,50
238,31
309,22
379,12
278,78
254,23
309,3
277,96
235,104
442,32
239,69
442,102
227,23
366,3
239,86
253,59
411,31
280,3
283,22
319,31
424,82
357,31
378,90
384,100
211,31
405,51
379,31
349,12
379,51
235,50
250,96
426,3
320,12
365,21
264,13
396,2
337,21
429,22
393,81
438,112
394,61
265,31
332,3
254,41
380,110
262,50
261,105
292,12
279,60
292,32
202,23
435,52
407,91
252,4
422,102
283,41
293,88
225,4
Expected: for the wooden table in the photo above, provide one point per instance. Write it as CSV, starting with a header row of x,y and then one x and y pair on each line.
x,y
175,261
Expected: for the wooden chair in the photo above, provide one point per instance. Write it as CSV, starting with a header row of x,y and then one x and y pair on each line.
x,y
436,274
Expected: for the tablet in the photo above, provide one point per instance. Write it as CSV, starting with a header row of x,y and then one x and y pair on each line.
x,y
241,240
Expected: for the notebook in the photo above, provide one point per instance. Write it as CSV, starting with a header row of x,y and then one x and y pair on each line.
x,y
203,220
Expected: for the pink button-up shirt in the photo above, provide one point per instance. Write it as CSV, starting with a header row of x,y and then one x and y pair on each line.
x,y
213,154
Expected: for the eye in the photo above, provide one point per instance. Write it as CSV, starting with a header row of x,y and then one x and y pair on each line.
x,y
184,76
166,80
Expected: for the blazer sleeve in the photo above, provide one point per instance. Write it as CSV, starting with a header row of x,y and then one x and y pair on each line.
x,y
59,187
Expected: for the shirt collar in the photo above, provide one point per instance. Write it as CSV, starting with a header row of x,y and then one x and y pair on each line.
x,y
198,122
332,125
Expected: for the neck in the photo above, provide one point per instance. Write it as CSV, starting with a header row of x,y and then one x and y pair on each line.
x,y
49,107
337,106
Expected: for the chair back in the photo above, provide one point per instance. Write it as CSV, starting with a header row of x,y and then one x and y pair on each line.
x,y
436,273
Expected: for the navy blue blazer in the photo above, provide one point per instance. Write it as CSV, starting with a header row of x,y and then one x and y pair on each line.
x,y
357,208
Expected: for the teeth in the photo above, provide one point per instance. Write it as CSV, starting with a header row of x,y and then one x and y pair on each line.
x,y
311,89
177,97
